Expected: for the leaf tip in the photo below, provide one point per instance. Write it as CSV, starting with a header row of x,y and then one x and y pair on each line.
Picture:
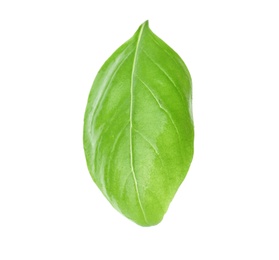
x,y
145,24
143,27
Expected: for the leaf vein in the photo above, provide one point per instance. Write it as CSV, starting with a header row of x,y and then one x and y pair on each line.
x,y
161,107
166,74
181,63
131,122
116,140
107,87
154,148
143,137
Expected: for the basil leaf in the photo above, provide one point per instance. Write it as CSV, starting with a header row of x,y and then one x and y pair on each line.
x,y
138,127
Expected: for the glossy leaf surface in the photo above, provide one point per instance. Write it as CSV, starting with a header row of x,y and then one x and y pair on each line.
x,y
138,127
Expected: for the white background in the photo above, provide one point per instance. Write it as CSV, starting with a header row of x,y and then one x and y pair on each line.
x,y
227,207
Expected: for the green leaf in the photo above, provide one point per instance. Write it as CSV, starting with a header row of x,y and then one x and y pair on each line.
x,y
138,127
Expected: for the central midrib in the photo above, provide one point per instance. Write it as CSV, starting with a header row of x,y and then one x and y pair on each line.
x,y
131,121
